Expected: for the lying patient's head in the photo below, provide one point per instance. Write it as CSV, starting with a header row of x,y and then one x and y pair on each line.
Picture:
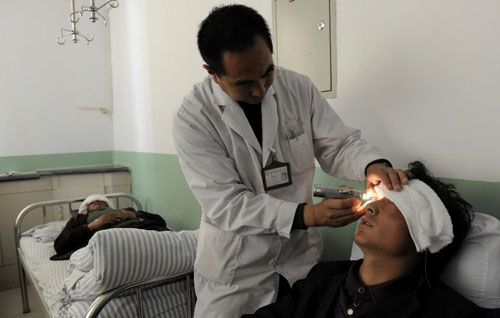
x,y
97,205
384,230
95,202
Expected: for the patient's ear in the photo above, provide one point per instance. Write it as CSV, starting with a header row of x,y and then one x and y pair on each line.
x,y
211,73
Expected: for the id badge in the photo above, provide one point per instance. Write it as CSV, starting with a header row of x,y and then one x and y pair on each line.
x,y
276,175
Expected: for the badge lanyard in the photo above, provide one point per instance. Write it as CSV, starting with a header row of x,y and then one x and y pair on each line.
x,y
276,174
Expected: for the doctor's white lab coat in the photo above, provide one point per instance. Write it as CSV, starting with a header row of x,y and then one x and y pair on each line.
x,y
245,236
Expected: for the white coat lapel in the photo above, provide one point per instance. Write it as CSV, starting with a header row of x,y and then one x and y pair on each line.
x,y
234,117
269,122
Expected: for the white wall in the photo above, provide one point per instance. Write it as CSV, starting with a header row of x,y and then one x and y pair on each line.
x,y
421,79
41,81
155,62
418,77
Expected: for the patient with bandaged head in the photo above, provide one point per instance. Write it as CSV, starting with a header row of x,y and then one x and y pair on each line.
x,y
98,213
407,238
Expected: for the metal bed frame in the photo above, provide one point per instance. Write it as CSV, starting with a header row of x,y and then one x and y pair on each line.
x,y
99,303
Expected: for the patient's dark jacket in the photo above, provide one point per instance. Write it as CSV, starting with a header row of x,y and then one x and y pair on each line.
x,y
76,233
320,295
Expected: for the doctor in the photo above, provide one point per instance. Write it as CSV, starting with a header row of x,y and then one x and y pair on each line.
x,y
246,138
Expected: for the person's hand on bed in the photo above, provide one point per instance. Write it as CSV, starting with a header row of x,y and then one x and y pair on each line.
x,y
103,220
127,215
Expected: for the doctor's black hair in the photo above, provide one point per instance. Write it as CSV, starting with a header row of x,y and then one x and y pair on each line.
x,y
230,28
460,212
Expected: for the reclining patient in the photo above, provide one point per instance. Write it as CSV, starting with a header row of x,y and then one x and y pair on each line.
x,y
98,213
407,238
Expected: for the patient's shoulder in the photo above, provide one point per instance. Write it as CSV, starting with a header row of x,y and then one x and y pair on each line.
x,y
443,290
445,298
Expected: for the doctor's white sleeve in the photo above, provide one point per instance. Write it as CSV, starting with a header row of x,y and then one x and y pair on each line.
x,y
211,174
339,149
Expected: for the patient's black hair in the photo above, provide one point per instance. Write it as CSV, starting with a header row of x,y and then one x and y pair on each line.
x,y
230,28
460,213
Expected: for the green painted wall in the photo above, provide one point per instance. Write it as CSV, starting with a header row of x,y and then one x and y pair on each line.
x,y
158,182
32,163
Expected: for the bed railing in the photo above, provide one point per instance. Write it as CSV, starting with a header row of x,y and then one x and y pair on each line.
x,y
103,299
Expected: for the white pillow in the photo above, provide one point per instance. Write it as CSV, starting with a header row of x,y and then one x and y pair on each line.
x,y
47,232
474,271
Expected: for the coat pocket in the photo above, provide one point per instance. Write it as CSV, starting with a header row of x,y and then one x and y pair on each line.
x,y
299,152
216,254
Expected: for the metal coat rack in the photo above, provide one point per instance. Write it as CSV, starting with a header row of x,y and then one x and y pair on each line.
x,y
74,17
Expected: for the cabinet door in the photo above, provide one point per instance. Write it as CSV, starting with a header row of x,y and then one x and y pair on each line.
x,y
304,40
15,196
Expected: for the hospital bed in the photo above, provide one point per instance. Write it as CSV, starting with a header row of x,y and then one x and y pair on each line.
x,y
121,272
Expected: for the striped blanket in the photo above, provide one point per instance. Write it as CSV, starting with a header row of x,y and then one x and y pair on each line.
x,y
118,256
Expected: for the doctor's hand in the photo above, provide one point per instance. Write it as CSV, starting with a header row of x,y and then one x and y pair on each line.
x,y
391,178
332,212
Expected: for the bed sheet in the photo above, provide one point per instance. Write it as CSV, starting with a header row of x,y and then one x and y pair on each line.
x,y
50,274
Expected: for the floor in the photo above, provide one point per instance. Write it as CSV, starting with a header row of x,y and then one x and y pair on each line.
x,y
11,305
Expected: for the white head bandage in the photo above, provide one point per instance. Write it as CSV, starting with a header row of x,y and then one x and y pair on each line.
x,y
93,198
427,218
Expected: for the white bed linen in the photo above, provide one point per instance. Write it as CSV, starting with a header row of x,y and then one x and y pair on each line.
x,y
47,232
50,274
